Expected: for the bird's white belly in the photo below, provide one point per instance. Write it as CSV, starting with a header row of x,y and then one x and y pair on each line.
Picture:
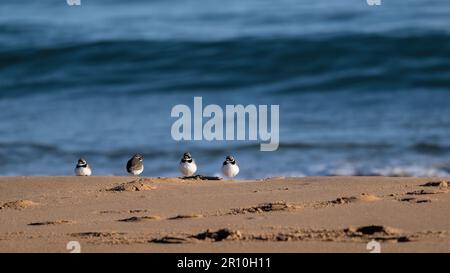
x,y
230,170
83,171
188,169
138,171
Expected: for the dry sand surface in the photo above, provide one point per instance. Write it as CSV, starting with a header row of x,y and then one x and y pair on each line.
x,y
312,214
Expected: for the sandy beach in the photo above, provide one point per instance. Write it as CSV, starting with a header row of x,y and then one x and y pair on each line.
x,y
312,214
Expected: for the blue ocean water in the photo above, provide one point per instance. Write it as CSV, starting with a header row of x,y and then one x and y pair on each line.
x,y
362,90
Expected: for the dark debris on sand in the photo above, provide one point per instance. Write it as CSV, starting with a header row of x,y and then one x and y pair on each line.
x,y
440,184
139,219
169,240
379,233
201,177
219,235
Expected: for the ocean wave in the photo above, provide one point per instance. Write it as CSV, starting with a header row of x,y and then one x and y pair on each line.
x,y
406,171
431,148
22,158
419,147
30,148
387,168
283,65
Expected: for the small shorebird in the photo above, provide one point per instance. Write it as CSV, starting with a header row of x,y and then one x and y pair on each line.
x,y
187,165
135,165
230,167
82,168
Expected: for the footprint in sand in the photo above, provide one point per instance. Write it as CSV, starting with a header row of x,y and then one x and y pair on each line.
x,y
132,211
185,216
137,211
208,235
169,240
137,185
362,233
219,235
441,188
379,233
139,218
425,192
439,184
265,207
364,197
18,205
97,234
110,212
49,223
414,200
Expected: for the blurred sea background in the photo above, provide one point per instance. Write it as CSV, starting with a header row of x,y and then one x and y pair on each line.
x,y
363,90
